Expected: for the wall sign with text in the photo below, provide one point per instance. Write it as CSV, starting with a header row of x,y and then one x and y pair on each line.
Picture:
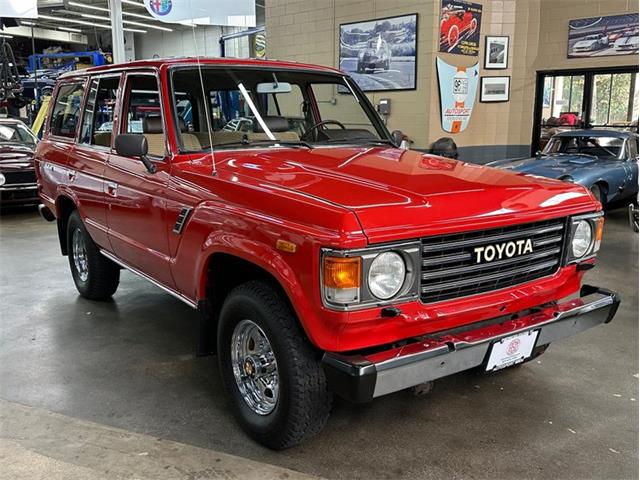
x,y
458,87
460,27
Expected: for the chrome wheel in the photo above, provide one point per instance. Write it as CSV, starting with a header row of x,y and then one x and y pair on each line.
x,y
254,367
80,255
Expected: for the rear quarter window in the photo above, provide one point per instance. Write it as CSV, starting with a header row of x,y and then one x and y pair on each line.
x,y
65,116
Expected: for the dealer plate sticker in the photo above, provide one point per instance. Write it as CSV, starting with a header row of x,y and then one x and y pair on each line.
x,y
512,350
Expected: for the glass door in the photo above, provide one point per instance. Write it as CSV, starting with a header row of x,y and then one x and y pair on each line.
x,y
568,100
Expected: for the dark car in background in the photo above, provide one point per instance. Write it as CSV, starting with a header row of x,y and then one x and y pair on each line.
x,y
605,161
17,175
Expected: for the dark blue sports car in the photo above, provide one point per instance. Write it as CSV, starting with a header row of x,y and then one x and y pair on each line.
x,y
605,161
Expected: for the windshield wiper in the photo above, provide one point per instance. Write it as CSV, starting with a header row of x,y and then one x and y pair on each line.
x,y
375,141
245,142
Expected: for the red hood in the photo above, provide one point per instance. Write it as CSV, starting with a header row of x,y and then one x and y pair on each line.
x,y
403,194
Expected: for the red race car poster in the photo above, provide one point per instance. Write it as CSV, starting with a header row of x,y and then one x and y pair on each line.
x,y
460,27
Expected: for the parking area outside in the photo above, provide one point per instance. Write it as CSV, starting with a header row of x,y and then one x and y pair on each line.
x,y
129,363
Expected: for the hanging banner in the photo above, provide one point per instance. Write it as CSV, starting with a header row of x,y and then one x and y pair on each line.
x,y
460,27
458,87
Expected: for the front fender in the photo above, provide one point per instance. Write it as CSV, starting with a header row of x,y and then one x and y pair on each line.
x,y
251,236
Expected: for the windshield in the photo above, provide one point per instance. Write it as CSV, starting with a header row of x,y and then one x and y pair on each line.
x,y
247,108
16,133
609,148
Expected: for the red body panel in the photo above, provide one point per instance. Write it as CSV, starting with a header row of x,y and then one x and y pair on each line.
x,y
324,197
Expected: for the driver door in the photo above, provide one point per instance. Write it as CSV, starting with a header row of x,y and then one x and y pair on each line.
x,y
136,199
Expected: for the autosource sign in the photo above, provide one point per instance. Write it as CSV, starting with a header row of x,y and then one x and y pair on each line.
x,y
458,87
460,27
603,36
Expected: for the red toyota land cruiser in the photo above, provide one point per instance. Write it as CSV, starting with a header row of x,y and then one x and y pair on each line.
x,y
322,258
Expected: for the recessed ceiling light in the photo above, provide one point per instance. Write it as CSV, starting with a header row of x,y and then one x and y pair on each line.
x,y
102,9
72,20
127,22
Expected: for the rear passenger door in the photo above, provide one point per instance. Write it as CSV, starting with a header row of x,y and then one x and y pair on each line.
x,y
136,201
91,152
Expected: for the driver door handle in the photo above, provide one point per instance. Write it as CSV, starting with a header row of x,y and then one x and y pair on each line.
x,y
112,189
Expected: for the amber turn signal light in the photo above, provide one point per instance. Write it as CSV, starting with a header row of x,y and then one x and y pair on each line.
x,y
599,228
341,273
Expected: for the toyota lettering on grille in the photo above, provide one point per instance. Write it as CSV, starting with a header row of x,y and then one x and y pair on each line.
x,y
498,251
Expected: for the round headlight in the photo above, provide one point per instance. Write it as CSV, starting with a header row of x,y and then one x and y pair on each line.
x,y
386,275
582,239
2,179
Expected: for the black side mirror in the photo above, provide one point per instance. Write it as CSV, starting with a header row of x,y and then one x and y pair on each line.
x,y
397,137
134,145
539,153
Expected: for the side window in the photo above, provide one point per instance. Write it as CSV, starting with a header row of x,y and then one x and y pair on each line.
x,y
142,112
87,118
105,103
66,111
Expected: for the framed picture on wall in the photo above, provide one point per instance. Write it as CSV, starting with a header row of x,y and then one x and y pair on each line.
x,y
496,52
494,89
380,55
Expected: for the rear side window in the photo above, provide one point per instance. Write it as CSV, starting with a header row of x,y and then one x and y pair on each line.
x,y
97,123
66,111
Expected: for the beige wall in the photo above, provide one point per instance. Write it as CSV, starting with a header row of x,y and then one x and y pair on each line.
x,y
308,31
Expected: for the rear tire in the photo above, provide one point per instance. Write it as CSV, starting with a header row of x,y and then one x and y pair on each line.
x,y
297,403
96,277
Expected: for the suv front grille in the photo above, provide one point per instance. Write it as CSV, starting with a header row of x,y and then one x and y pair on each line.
x,y
19,177
453,268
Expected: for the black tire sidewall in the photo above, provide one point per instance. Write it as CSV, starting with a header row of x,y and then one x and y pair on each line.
x,y
237,309
75,223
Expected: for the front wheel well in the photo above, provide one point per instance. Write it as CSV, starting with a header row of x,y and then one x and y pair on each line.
x,y
224,273
65,207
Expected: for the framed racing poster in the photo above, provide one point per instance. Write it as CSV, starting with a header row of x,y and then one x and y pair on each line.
x,y
603,36
458,87
460,27
380,55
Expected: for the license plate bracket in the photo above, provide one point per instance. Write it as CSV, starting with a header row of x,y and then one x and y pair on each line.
x,y
511,350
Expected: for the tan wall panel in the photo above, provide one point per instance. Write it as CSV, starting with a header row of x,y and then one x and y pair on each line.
x,y
308,31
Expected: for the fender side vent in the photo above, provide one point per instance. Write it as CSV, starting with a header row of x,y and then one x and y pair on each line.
x,y
181,220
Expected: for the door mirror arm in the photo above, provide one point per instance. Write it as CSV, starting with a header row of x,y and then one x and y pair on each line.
x,y
397,136
135,145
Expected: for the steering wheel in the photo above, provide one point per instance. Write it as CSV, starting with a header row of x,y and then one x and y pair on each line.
x,y
305,135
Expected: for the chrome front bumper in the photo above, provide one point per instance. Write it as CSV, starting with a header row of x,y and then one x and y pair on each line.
x,y
362,377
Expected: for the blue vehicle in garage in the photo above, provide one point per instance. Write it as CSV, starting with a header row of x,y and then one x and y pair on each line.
x,y
605,161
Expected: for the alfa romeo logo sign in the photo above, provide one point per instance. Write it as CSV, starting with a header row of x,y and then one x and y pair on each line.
x,y
160,7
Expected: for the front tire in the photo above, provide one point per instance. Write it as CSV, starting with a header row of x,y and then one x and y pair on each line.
x,y
598,192
96,277
269,369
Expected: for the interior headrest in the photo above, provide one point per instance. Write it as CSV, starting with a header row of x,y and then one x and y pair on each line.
x,y
275,124
152,124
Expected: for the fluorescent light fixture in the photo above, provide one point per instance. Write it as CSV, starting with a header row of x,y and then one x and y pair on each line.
x,y
70,29
102,9
134,30
5,35
72,20
31,24
135,4
127,22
